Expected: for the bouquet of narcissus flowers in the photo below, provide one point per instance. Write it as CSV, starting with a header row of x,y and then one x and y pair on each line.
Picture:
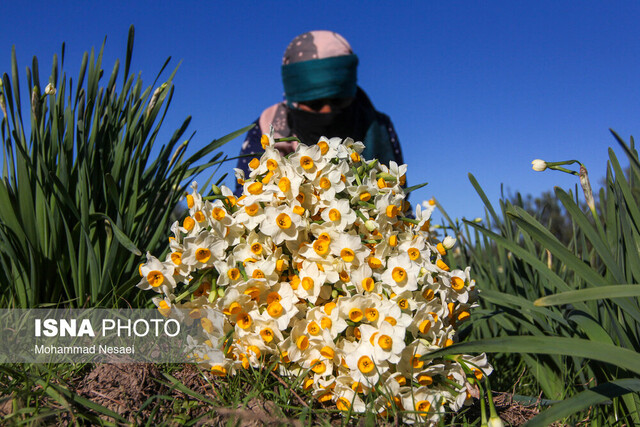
x,y
319,267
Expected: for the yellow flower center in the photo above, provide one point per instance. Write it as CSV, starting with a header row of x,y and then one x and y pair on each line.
x,y
477,373
203,255
302,342
399,274
365,197
198,216
273,296
334,215
267,335
457,283
256,248
267,178
306,162
425,326
347,255
385,342
218,371
355,157
190,201
307,283
188,223
244,321
254,163
325,322
355,315
365,364
442,265
284,184
318,367
423,406
391,320
403,303
176,257
392,211
275,309
324,147
284,221
255,188
368,284
298,210
155,278
257,274
272,164
253,292
416,362
218,213
233,274
325,184
313,328
264,141
321,247
464,315
424,379
252,210
294,281
371,314
327,352
393,240
374,263
428,294
343,404
414,253
328,307
344,276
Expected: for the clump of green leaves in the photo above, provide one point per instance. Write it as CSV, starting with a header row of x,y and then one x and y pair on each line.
x,y
83,184
569,309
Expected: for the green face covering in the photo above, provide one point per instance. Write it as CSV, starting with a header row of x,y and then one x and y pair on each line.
x,y
334,77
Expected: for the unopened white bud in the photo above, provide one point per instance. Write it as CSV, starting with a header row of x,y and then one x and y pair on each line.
x,y
539,165
50,89
448,242
371,225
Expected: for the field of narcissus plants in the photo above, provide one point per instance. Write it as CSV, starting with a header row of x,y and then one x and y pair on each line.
x,y
323,296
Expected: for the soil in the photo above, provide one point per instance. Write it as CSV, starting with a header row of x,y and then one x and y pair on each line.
x,y
140,392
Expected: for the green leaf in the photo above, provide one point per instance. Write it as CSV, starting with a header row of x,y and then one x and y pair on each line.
x,y
581,401
599,293
618,356
120,236
415,187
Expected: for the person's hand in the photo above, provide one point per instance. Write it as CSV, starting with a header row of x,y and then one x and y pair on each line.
x,y
286,147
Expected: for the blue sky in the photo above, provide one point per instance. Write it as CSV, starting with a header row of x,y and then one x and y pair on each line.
x,y
472,87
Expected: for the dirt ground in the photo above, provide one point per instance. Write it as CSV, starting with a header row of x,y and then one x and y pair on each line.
x,y
139,392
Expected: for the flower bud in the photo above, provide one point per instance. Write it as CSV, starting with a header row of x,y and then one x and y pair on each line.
x,y
586,188
220,292
448,242
371,225
50,89
216,190
539,165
